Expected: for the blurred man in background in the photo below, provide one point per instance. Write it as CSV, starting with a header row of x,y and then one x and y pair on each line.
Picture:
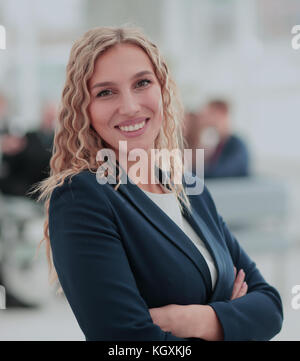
x,y
226,155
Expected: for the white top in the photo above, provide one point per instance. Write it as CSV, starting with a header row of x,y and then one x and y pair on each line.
x,y
169,204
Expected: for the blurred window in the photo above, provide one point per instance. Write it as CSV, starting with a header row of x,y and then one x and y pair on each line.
x,y
276,18
221,24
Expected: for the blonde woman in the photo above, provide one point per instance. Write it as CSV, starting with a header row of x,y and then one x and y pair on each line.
x,y
140,259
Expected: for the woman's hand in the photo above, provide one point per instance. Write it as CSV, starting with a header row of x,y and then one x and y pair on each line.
x,y
172,318
240,287
198,321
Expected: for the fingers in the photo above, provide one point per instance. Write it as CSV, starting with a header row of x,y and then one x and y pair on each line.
x,y
243,290
240,287
238,283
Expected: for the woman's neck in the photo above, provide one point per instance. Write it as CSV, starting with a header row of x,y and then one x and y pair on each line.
x,y
152,188
143,175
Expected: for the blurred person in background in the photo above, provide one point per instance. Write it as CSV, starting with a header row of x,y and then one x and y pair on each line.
x,y
226,154
11,300
25,161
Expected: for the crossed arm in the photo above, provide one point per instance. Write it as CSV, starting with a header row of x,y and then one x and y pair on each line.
x,y
198,321
253,313
88,264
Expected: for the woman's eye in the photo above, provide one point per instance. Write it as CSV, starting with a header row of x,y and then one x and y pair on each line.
x,y
143,83
104,93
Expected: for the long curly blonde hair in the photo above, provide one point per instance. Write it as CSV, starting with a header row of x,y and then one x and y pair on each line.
x,y
76,143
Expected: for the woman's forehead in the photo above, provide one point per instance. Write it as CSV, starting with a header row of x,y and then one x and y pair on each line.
x,y
121,58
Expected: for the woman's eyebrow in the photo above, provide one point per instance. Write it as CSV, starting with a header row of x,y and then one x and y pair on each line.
x,y
110,83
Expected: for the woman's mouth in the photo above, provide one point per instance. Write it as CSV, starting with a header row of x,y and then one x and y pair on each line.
x,y
134,130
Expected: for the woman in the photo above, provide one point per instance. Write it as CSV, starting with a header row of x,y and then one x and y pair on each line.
x,y
137,259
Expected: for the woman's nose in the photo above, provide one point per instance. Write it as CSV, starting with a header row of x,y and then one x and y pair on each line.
x,y
129,104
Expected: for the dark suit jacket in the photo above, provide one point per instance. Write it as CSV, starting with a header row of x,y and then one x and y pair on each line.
x,y
231,159
117,254
29,166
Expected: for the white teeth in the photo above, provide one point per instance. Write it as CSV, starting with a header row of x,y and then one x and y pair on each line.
x,y
131,128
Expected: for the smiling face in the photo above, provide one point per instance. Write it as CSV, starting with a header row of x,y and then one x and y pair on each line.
x,y
126,99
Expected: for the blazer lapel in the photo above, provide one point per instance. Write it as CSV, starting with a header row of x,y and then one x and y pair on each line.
x,y
166,226
215,249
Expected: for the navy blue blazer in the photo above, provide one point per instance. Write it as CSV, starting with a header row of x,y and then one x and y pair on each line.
x,y
117,254
231,160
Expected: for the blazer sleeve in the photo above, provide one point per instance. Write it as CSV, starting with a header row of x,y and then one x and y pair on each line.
x,y
93,269
256,316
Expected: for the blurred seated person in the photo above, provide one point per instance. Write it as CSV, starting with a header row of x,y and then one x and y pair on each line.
x,y
226,155
25,160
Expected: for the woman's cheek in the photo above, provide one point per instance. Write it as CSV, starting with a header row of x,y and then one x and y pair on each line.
x,y
98,115
156,107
